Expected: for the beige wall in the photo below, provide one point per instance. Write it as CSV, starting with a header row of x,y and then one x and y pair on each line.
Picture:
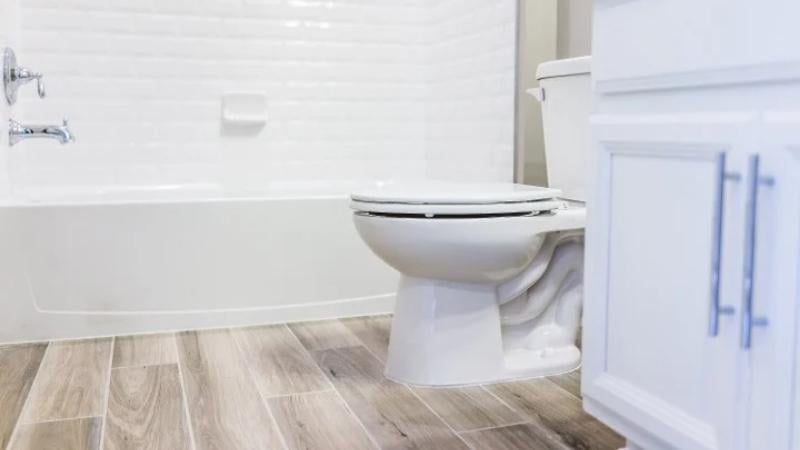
x,y
537,44
574,28
549,29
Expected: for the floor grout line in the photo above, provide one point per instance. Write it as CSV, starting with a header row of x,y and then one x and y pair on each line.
x,y
531,421
107,394
140,366
26,403
410,389
184,398
338,394
65,419
264,401
514,424
295,394
565,389
549,434
503,402
415,394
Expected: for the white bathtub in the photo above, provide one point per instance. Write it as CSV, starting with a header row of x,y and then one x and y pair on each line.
x,y
104,267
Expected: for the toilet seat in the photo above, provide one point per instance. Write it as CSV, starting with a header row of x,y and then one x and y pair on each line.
x,y
456,199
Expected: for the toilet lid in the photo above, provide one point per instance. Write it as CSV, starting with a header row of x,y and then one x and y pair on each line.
x,y
446,198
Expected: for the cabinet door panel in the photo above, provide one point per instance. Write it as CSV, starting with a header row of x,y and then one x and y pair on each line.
x,y
771,358
653,231
658,269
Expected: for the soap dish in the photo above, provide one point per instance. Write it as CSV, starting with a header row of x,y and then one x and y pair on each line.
x,y
244,108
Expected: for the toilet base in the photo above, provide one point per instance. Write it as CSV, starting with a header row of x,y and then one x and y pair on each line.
x,y
448,333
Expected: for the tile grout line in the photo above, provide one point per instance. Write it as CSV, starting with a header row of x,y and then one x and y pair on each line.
x,y
561,445
107,394
25,404
503,402
514,424
65,419
264,402
293,394
338,394
565,389
184,398
531,421
437,415
307,352
424,403
141,366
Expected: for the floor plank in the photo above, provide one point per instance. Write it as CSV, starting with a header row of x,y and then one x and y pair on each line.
x,y
145,350
391,413
278,362
468,408
516,437
145,410
570,382
324,335
372,331
72,381
548,405
75,434
18,366
225,407
318,421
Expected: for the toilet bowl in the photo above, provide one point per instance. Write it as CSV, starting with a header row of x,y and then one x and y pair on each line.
x,y
469,255
491,273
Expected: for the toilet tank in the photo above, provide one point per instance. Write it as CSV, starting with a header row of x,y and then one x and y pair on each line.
x,y
565,93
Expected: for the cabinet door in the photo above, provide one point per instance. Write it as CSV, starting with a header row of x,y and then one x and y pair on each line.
x,y
768,340
664,222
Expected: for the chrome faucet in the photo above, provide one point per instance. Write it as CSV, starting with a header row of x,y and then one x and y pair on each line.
x,y
18,132
15,76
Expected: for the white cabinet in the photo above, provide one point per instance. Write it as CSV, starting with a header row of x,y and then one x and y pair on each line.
x,y
691,337
692,282
663,223
775,214
675,43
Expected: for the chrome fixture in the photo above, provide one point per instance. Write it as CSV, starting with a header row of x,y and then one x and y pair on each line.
x,y
18,132
15,76
749,319
718,309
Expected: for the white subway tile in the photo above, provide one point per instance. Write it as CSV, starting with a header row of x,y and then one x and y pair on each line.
x,y
385,89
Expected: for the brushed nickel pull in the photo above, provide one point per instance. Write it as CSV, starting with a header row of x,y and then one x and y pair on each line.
x,y
748,320
716,309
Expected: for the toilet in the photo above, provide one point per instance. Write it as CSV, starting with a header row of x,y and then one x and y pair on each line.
x,y
491,273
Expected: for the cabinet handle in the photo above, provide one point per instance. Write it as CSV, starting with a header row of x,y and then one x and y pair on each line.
x,y
716,309
748,321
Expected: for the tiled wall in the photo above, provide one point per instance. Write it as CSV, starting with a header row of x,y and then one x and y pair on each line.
x,y
470,133
8,16
357,90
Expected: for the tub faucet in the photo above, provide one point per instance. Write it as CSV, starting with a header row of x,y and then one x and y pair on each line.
x,y
18,132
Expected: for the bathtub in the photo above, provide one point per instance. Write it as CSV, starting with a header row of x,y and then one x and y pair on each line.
x,y
110,265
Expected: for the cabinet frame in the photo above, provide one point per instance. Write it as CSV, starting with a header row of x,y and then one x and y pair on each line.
x,y
717,138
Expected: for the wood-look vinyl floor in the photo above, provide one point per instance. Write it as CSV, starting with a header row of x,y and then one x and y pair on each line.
x,y
314,385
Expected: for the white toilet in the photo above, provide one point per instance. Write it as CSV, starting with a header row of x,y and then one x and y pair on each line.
x,y
492,274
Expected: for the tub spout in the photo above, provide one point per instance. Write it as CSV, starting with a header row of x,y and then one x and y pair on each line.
x,y
18,132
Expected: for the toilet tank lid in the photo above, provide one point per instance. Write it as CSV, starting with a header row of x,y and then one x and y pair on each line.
x,y
564,67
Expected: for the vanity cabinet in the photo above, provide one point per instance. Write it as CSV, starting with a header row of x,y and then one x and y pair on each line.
x,y
770,361
693,237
